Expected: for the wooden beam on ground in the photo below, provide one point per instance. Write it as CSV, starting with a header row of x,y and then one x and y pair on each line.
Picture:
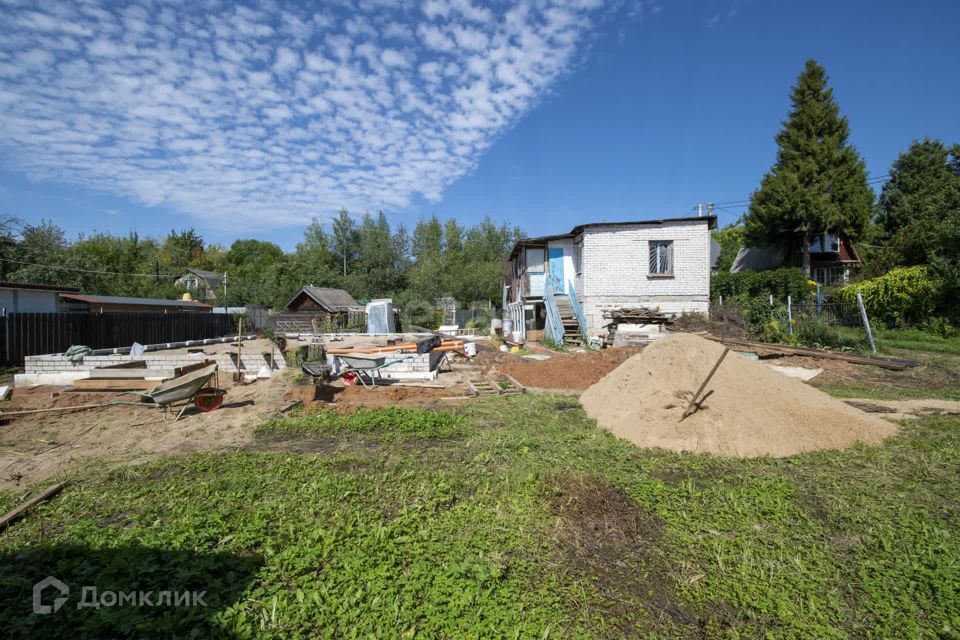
x,y
893,364
18,512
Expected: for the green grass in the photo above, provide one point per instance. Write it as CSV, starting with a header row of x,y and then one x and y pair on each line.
x,y
516,517
916,339
853,390
392,421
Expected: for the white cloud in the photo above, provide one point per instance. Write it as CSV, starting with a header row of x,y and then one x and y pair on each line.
x,y
267,116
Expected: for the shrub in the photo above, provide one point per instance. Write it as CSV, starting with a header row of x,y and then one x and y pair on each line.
x,y
767,323
901,296
745,285
814,332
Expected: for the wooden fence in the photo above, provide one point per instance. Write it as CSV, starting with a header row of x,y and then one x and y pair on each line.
x,y
28,334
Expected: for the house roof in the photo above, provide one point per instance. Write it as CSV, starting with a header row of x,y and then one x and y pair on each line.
x,y
212,278
139,302
32,286
328,298
757,258
577,230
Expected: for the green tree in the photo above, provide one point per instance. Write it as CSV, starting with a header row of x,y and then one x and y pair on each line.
x,y
345,238
818,183
919,207
182,249
731,239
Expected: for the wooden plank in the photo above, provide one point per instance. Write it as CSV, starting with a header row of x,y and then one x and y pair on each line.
x,y
513,381
894,364
89,384
133,364
180,371
131,374
18,512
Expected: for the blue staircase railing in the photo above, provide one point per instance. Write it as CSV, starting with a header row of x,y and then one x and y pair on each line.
x,y
554,325
578,310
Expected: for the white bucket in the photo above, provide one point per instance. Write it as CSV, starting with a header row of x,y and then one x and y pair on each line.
x,y
518,336
470,349
507,327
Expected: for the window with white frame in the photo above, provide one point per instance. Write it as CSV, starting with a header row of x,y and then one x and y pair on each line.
x,y
536,257
661,257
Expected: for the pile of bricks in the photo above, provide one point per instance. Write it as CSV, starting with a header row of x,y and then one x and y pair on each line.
x,y
57,363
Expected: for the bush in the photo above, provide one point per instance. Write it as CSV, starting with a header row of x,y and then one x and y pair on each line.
x,y
767,323
814,332
745,285
903,296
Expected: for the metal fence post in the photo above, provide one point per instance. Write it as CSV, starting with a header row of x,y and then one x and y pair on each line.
x,y
790,313
866,322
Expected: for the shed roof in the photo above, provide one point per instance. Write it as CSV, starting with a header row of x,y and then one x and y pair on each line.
x,y
140,302
329,298
33,286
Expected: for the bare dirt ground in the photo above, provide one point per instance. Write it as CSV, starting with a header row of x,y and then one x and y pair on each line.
x,y
43,445
566,370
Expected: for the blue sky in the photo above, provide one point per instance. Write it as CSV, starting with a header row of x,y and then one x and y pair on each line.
x,y
244,122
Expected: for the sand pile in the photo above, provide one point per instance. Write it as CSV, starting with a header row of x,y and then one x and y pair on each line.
x,y
753,410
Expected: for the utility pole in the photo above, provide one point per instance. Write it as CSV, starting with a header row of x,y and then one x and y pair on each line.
x,y
225,292
699,210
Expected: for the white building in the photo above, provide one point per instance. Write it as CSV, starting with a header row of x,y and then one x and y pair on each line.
x,y
575,277
21,297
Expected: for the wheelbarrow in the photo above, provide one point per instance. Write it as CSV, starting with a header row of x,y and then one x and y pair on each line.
x,y
190,387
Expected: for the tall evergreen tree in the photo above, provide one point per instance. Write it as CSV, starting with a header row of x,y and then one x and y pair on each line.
x,y
919,206
819,183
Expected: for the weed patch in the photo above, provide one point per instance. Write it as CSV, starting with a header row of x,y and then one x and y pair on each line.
x,y
390,421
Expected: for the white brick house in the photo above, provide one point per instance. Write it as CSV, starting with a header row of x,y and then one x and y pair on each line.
x,y
661,264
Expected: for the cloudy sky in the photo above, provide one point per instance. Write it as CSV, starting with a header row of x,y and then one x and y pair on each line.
x,y
249,119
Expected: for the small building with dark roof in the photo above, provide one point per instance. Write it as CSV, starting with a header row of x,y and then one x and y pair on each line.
x,y
73,302
26,297
321,300
204,285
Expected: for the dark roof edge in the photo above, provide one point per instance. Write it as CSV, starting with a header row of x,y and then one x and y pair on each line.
x,y
33,286
711,224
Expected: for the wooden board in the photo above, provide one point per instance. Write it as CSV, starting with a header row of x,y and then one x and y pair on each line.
x,y
180,371
133,364
894,364
131,374
19,511
90,384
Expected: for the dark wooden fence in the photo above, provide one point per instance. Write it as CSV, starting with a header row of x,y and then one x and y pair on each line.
x,y
28,334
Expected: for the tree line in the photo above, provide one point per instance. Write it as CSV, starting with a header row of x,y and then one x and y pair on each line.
x,y
367,256
819,185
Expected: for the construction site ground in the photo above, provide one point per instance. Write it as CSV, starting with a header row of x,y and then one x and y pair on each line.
x,y
39,446
416,508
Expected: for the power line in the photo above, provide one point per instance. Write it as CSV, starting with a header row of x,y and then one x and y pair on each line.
x,y
102,273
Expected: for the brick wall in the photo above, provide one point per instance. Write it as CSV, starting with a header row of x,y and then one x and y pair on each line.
x,y
616,269
250,362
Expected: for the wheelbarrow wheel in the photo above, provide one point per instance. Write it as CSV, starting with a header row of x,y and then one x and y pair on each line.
x,y
208,399
349,378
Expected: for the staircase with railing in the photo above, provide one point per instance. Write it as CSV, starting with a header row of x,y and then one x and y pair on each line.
x,y
565,320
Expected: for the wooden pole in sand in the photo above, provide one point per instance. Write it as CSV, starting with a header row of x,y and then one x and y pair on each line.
x,y
693,406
